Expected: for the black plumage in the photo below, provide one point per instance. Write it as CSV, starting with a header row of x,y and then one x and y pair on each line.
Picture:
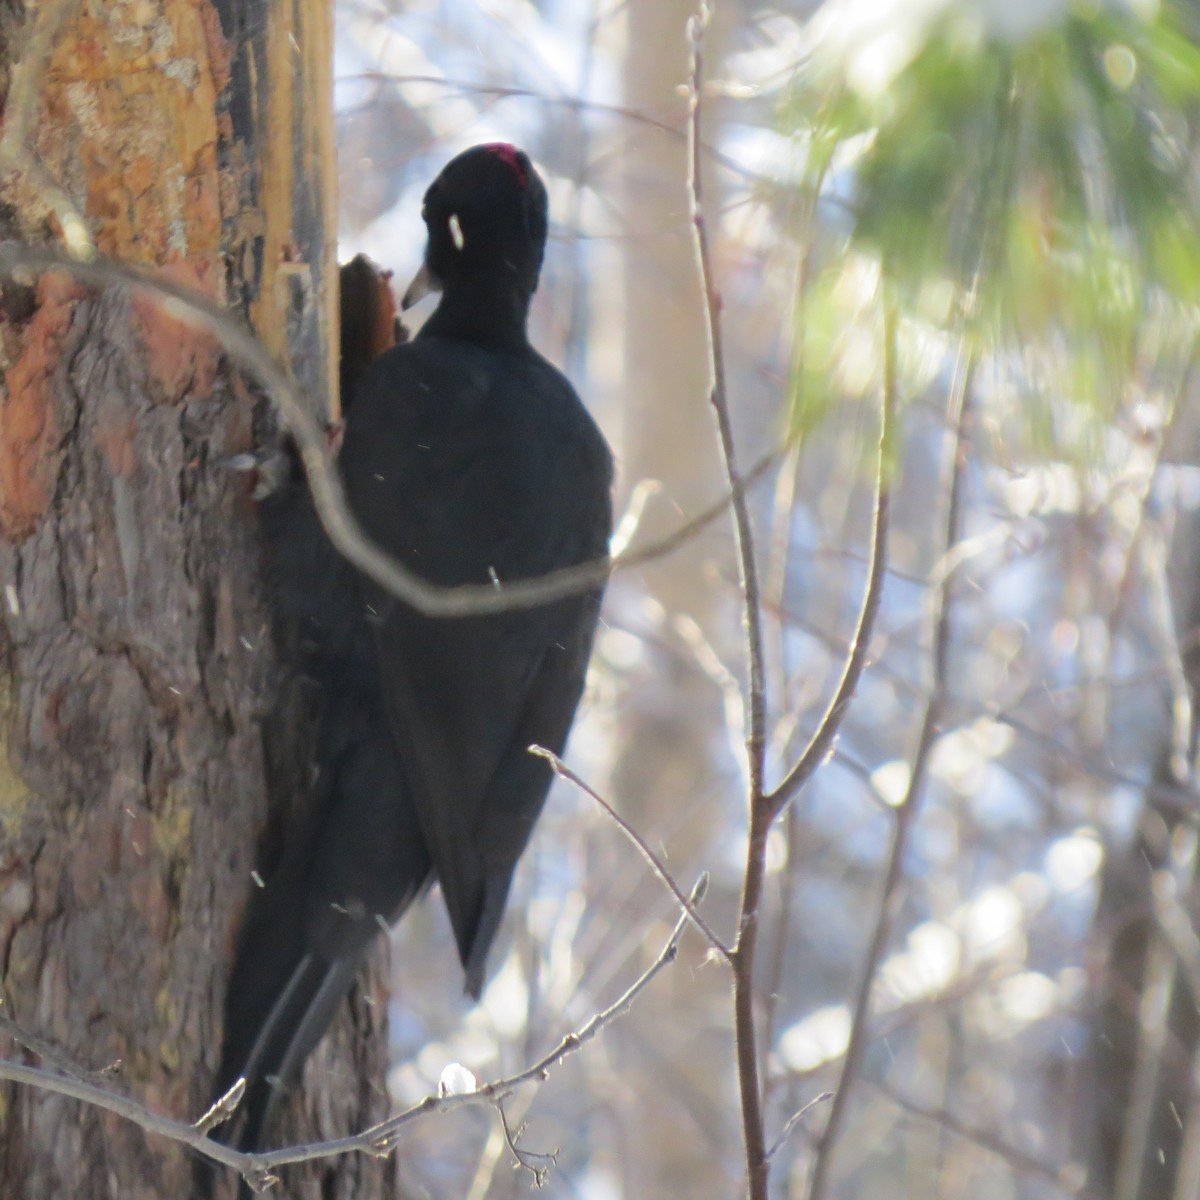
x,y
470,458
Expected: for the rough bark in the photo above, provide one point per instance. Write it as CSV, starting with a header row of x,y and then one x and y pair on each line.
x,y
149,726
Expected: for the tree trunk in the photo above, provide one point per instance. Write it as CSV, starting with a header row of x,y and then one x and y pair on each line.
x,y
150,728
673,734
1141,1129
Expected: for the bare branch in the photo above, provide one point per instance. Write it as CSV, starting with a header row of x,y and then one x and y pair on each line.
x,y
259,1169
823,738
197,310
795,1120
381,1138
670,542
906,811
747,566
54,1057
1060,1177
688,903
182,1132
537,1164
575,103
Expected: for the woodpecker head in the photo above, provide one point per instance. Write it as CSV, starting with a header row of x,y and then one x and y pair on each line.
x,y
486,217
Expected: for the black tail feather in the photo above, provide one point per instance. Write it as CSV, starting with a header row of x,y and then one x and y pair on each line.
x,y
348,871
289,1036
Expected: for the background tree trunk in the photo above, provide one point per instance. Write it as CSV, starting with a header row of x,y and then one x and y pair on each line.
x,y
149,726
672,734
1142,1124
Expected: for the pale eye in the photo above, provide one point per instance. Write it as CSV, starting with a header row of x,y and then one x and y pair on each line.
x,y
456,233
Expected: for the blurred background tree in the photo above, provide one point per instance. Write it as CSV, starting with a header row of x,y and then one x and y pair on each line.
x,y
1021,178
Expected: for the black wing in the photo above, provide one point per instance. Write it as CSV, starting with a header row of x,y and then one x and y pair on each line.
x,y
471,467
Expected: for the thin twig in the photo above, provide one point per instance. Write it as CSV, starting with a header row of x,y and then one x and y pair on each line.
x,y
670,542
53,1057
747,566
775,594
526,1159
382,1137
182,1132
196,309
574,103
688,904
1175,405
512,92
258,1169
1018,1160
823,737
906,811
795,1120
